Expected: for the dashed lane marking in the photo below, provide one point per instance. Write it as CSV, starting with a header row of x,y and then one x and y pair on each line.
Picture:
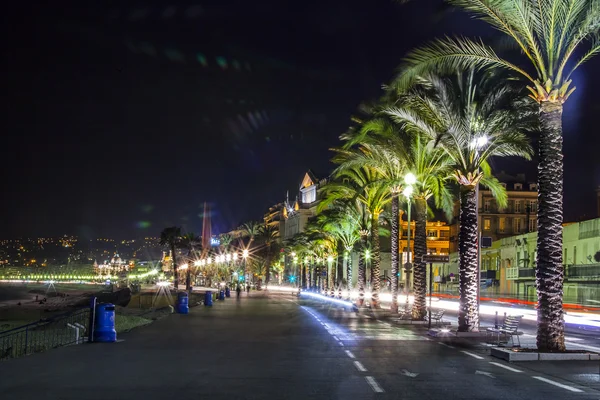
x,y
447,345
349,353
374,385
505,367
472,355
359,366
560,385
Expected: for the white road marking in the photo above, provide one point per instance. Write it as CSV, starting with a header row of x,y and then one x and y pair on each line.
x,y
350,354
472,355
571,388
488,374
341,344
447,345
408,373
505,367
359,366
335,337
374,385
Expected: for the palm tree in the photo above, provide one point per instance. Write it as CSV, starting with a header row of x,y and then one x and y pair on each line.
x,y
342,221
362,184
250,229
471,117
268,235
189,242
170,237
394,154
548,33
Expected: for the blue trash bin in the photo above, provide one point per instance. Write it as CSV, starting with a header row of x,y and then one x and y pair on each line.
x,y
227,292
182,303
222,295
104,329
208,298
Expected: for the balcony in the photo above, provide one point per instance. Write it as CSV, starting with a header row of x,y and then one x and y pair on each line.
x,y
582,272
520,273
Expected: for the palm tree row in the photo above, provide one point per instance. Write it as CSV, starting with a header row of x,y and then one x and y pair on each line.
x,y
455,105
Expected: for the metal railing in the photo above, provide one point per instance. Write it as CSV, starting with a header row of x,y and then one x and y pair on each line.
x,y
516,273
589,271
45,334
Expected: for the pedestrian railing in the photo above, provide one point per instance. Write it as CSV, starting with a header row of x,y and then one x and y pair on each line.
x,y
36,337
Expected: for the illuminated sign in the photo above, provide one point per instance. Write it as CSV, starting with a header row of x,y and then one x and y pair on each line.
x,y
215,241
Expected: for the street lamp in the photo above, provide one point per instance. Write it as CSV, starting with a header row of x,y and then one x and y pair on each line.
x,y
408,191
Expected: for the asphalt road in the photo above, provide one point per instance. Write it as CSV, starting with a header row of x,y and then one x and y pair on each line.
x,y
279,347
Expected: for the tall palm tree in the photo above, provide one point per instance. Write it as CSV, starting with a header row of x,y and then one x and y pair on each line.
x,y
362,184
471,117
190,241
170,237
548,33
249,229
394,154
342,221
268,235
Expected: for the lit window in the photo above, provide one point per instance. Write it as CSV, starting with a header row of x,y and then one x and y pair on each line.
x,y
502,224
487,224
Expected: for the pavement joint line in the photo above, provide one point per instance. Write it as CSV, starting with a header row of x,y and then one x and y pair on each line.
x,y
571,388
472,355
349,353
359,366
446,345
505,367
374,385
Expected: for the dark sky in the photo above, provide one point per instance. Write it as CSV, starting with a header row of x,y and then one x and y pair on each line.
x,y
122,118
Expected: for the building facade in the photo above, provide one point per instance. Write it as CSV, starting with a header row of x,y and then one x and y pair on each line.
x,y
519,216
508,267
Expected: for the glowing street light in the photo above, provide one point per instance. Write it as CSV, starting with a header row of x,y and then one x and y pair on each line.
x,y
197,263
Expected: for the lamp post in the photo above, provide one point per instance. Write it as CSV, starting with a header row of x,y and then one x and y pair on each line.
x,y
410,179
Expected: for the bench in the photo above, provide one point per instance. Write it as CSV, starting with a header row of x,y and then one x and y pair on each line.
x,y
437,316
509,328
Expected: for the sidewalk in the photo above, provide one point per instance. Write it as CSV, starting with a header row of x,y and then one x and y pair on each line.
x,y
252,348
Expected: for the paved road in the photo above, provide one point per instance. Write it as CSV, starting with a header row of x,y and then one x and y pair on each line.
x,y
279,347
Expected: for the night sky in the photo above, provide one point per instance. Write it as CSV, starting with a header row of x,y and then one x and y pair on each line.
x,y
122,118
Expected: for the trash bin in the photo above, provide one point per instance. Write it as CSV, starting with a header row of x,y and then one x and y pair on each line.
x,y
182,303
104,329
227,292
208,298
222,295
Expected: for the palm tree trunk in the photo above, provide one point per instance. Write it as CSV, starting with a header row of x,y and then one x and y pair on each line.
x,y
468,281
376,263
349,272
419,269
549,264
339,262
303,276
361,273
175,269
395,254
268,276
